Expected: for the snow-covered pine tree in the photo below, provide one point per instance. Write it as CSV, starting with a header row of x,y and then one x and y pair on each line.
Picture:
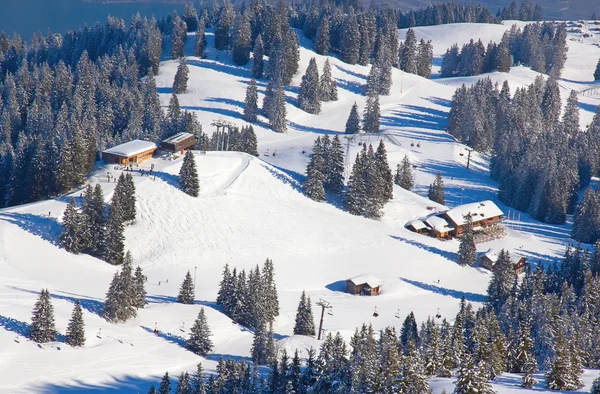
x,y
323,37
335,167
371,115
42,328
586,223
404,175
242,40
353,122
76,329
186,291
178,37
595,386
292,55
152,390
261,354
181,77
224,21
165,385
424,58
257,58
408,56
328,88
277,119
467,251
200,40
188,175
356,196
502,282
127,302
139,282
70,238
597,72
385,173
470,380
436,190
199,341
93,220
305,323
112,302
198,384
250,145
268,100
563,374
414,379
271,299
184,384
251,102
315,176
115,246
350,45
309,92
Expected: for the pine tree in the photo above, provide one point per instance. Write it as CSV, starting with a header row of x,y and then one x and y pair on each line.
x,y
470,380
408,56
251,102
353,122
42,328
188,175
261,352
467,251
70,238
165,385
356,195
257,58
115,246
404,175
436,190
563,375
309,92
335,167
76,328
350,46
184,384
186,292
271,299
199,341
305,324
597,72
371,115
277,119
200,42
242,40
315,174
595,386
198,384
328,86
322,38
424,58
386,178
181,77
139,281
502,282
152,390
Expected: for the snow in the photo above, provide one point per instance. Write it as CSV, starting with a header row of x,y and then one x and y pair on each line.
x,y
253,208
131,148
478,211
178,137
370,280
416,224
439,224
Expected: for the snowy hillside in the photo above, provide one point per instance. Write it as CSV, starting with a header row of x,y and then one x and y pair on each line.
x,y
250,209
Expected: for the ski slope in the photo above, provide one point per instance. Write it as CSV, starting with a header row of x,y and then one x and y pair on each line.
x,y
253,208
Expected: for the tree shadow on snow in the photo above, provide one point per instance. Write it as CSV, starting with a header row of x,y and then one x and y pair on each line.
x,y
171,179
165,90
296,180
440,101
471,297
163,299
45,227
167,336
419,117
89,304
221,67
316,130
351,86
235,103
432,249
350,72
14,325
113,385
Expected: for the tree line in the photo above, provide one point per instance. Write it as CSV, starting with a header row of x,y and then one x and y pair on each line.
x,y
540,159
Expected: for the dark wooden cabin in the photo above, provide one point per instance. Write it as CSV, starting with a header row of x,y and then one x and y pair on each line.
x,y
178,143
131,152
366,285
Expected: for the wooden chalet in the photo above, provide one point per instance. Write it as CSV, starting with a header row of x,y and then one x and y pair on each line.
x,y
364,285
178,143
483,214
131,152
489,259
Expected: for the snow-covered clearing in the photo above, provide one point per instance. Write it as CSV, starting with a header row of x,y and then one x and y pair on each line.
x,y
252,208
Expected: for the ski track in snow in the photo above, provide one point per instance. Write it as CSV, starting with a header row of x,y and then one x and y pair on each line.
x,y
253,208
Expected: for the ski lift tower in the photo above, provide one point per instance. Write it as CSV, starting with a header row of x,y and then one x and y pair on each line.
x,y
324,305
349,138
222,126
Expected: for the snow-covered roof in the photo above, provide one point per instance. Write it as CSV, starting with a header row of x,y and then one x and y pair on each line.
x,y
178,137
131,148
479,211
368,279
493,255
417,224
439,224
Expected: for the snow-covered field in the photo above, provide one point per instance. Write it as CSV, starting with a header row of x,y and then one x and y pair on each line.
x,y
252,208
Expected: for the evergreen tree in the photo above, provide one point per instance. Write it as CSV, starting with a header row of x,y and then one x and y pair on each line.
x,y
424,58
563,374
385,177
309,92
70,238
467,251
152,390
315,174
502,282
597,72
436,190
139,281
404,175
186,292
199,341
408,55
76,328
328,86
200,41
353,122
242,40
165,385
356,195
188,175
257,58
305,324
271,299
184,384
181,77
42,328
262,353
350,48
595,386
371,115
470,380
277,119
335,167
323,37
115,246
251,102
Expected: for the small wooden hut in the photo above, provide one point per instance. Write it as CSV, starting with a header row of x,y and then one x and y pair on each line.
x,y
178,142
131,152
489,259
364,285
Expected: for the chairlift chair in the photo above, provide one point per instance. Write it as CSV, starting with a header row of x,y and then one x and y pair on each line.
x,y
17,339
412,144
99,335
375,314
418,144
303,151
397,315
274,152
438,315
266,153
329,312
182,328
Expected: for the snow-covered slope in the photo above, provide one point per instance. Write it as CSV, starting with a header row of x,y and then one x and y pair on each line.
x,y
252,208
